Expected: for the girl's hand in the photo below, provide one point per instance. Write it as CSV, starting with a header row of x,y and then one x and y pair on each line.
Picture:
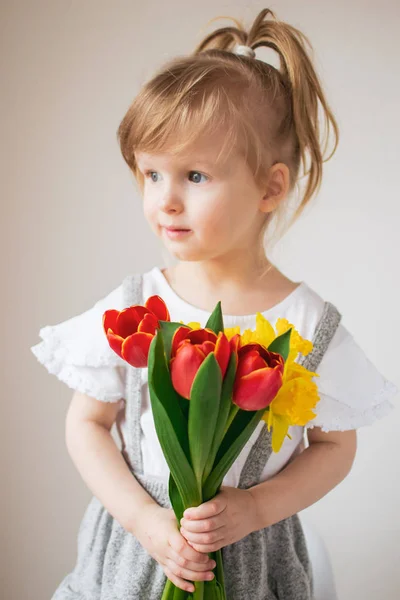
x,y
225,519
159,534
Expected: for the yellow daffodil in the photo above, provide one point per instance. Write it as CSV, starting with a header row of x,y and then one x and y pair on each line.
x,y
298,395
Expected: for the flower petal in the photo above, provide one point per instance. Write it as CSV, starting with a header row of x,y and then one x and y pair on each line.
x,y
128,321
110,320
258,389
157,306
222,352
206,347
198,336
179,335
249,362
135,349
115,342
235,342
280,428
184,367
149,324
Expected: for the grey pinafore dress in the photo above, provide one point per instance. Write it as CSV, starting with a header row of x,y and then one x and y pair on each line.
x,y
269,564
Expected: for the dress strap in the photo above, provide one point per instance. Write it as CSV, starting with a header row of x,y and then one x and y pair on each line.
x,y
323,334
132,288
262,449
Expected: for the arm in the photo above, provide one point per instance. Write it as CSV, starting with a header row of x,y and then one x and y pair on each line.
x,y
99,460
306,479
103,468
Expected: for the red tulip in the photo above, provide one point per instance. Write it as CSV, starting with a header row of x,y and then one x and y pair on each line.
x,y
189,349
258,376
131,330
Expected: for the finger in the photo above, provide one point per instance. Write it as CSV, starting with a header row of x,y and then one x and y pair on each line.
x,y
205,510
181,546
188,574
178,581
200,525
210,537
187,563
207,548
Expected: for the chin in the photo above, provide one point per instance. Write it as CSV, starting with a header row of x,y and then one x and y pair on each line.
x,y
186,254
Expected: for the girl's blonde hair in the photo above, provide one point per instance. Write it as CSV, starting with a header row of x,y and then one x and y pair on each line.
x,y
268,115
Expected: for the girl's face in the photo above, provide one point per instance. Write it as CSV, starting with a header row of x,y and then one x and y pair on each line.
x,y
219,204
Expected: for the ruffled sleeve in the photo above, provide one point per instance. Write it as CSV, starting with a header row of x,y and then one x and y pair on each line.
x,y
352,391
78,353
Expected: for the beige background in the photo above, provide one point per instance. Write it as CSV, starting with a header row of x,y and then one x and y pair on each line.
x,y
72,228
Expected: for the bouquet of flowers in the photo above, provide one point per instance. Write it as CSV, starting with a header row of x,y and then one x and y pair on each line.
x,y
209,388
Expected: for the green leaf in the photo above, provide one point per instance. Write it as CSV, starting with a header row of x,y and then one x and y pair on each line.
x,y
170,423
204,403
215,321
159,375
168,328
233,443
175,498
224,408
281,344
178,464
184,404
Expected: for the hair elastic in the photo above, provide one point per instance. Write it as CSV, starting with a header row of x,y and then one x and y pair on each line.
x,y
244,50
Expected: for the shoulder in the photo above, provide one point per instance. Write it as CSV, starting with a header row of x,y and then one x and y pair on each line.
x,y
77,352
353,390
82,335
79,340
304,309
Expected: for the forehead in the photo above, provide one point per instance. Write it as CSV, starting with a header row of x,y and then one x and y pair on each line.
x,y
205,151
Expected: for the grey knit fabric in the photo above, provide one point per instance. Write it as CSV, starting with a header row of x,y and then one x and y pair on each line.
x,y
269,564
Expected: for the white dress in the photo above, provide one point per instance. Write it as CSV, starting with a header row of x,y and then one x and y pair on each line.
x,y
352,391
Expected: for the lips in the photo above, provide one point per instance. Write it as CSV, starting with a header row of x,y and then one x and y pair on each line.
x,y
177,229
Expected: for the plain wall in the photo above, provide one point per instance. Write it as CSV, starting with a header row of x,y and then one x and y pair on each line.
x,y
72,228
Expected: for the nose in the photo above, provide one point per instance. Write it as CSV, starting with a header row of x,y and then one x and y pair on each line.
x,y
170,202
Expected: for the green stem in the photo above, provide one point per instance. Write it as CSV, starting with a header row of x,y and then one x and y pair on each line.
x,y
220,571
198,594
180,594
168,592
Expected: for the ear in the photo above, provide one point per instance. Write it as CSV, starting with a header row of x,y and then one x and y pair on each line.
x,y
276,187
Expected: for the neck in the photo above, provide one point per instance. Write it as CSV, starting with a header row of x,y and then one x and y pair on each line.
x,y
238,274
243,287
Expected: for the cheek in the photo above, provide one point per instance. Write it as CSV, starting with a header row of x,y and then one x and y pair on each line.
x,y
223,216
149,211
214,209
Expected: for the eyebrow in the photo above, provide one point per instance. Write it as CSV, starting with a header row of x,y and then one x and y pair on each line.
x,y
190,160
188,163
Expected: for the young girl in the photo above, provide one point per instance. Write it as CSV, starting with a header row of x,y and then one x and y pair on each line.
x,y
215,141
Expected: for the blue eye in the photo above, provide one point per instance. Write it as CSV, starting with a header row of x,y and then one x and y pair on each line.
x,y
198,173
148,175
